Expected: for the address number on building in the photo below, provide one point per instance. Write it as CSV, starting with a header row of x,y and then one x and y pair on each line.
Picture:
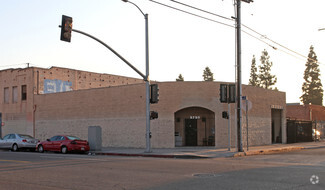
x,y
194,117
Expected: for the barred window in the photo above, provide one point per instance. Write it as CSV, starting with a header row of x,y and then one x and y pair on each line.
x,y
23,92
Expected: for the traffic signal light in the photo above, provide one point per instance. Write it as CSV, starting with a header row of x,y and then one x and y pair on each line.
x,y
223,93
227,93
66,28
225,115
232,93
154,98
153,115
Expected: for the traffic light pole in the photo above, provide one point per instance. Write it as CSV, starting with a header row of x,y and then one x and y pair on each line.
x,y
148,133
145,77
112,50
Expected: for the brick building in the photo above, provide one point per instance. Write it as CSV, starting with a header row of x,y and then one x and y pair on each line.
x,y
20,86
190,113
313,113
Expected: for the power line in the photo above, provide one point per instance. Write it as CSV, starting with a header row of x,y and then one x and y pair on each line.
x,y
261,35
202,10
192,14
210,19
260,40
264,36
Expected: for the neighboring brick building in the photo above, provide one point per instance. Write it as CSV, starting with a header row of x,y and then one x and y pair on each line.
x,y
306,112
190,113
314,113
18,88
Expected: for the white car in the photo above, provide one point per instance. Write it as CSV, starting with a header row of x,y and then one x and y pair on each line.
x,y
16,141
316,135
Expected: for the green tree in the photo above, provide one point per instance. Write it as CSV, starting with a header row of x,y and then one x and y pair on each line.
x,y
180,78
266,79
253,80
312,88
207,74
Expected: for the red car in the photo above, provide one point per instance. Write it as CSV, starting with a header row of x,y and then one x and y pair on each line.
x,y
64,144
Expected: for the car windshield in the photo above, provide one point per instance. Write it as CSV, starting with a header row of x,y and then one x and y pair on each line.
x,y
25,136
73,138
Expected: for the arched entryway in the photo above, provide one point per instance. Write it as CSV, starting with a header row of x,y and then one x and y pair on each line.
x,y
194,126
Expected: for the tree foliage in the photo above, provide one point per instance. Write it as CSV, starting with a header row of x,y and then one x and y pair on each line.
x,y
312,88
266,79
253,80
207,74
180,78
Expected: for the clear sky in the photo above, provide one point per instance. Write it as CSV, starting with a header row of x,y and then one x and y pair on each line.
x,y
179,43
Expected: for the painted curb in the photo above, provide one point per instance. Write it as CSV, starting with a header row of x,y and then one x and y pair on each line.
x,y
267,151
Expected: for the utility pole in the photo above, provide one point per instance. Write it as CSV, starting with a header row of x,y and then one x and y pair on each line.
x,y
239,82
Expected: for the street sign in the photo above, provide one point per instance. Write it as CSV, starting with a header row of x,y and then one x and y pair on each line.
x,y
249,105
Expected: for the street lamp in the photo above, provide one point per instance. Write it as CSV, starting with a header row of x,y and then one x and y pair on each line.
x,y
146,79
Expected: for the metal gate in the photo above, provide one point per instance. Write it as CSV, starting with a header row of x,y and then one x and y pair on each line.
x,y
299,131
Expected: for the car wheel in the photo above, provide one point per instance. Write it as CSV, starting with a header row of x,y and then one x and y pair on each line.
x,y
14,147
64,149
40,148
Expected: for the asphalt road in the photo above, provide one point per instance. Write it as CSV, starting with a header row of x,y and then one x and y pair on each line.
x,y
29,170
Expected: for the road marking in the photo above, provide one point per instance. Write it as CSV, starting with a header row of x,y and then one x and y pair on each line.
x,y
15,161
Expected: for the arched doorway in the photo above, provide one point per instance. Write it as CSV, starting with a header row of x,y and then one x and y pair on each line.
x,y
194,126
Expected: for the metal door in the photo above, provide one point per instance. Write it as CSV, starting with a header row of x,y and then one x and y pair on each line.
x,y
190,132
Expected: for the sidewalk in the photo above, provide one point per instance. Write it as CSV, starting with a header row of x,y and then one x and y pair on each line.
x,y
207,152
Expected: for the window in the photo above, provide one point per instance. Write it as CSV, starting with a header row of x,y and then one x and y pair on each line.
x,y
6,95
73,138
23,92
6,137
25,136
14,94
60,138
12,136
55,138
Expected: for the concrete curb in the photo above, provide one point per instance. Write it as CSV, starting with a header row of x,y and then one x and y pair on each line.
x,y
135,155
270,151
151,155
200,155
315,147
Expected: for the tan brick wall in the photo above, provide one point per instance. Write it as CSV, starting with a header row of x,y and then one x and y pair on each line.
x,y
120,111
18,117
260,123
116,109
